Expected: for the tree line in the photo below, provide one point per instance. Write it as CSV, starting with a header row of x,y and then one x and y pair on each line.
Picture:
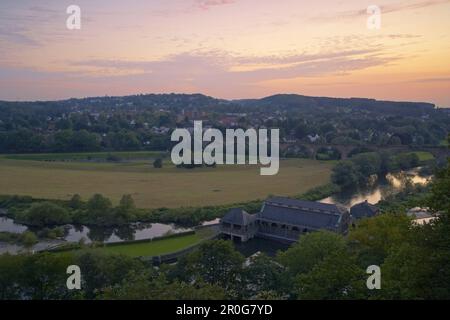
x,y
97,211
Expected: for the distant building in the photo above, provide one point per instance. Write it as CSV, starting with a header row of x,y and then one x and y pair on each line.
x,y
229,121
160,130
363,210
420,215
313,138
284,219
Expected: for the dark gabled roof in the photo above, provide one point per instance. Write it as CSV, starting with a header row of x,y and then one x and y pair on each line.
x,y
304,213
300,217
302,204
363,210
238,216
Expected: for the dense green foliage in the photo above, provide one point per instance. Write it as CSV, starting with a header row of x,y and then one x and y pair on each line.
x,y
412,196
42,214
26,238
97,211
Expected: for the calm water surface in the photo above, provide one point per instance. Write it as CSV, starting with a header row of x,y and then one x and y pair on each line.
x,y
379,190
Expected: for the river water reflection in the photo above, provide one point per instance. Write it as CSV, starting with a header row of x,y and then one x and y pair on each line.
x,y
135,231
8,225
379,190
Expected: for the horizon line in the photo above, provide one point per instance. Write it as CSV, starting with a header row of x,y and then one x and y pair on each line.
x,y
217,98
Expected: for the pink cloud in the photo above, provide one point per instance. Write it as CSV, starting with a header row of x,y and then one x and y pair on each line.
x,y
206,4
390,8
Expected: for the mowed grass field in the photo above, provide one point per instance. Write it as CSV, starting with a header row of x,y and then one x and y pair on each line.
x,y
154,188
150,248
156,248
424,156
159,247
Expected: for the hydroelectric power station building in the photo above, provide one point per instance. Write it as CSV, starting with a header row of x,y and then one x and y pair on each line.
x,y
284,219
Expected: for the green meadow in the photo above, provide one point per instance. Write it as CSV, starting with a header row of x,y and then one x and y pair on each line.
x,y
60,176
153,248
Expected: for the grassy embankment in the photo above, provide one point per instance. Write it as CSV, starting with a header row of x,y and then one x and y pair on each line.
x,y
424,156
148,248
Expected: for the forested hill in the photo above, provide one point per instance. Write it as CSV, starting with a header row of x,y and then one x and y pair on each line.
x,y
149,101
294,101
194,101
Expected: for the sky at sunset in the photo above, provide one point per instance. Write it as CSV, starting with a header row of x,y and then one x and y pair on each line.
x,y
226,48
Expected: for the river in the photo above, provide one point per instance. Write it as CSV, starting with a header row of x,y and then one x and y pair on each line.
x,y
373,193
382,188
